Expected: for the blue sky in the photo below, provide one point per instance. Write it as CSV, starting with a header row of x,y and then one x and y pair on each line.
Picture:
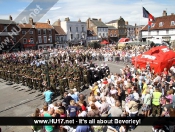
x,y
130,10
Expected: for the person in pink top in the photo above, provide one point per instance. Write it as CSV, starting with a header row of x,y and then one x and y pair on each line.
x,y
169,96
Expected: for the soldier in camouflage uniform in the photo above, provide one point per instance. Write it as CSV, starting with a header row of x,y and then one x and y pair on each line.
x,y
23,75
77,80
39,78
10,72
85,77
53,82
61,83
16,74
70,77
34,77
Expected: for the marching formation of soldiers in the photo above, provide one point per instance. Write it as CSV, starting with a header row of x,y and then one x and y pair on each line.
x,y
57,73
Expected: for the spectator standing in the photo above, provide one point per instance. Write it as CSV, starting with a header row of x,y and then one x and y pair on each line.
x,y
116,111
147,104
93,112
37,128
48,128
67,99
74,96
48,96
72,109
104,106
156,102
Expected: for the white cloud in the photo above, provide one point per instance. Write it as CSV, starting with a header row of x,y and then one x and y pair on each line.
x,y
55,8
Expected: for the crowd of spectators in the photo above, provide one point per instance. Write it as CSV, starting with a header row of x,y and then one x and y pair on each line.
x,y
132,92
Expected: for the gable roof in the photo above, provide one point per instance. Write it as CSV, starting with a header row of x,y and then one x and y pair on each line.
x,y
111,27
166,23
59,30
43,25
113,21
26,25
3,21
98,23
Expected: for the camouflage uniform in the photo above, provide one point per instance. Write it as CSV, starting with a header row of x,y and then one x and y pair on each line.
x,y
53,82
85,76
61,83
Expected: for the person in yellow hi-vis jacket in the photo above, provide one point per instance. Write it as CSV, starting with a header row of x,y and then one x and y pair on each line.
x,y
94,88
156,102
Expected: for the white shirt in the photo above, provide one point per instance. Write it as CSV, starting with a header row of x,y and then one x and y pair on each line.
x,y
113,91
110,101
136,95
109,80
82,114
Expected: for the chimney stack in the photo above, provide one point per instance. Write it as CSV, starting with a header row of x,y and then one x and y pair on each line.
x,y
126,22
99,19
88,22
10,18
59,22
164,13
79,20
31,20
67,19
48,21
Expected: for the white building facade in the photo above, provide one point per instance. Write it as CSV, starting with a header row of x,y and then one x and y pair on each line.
x,y
75,30
163,28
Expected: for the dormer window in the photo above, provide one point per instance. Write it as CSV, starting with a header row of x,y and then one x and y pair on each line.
x,y
153,24
160,24
172,23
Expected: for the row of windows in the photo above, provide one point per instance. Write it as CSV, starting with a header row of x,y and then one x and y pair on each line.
x,y
162,23
115,35
30,41
92,38
58,39
77,29
103,29
46,40
103,34
44,31
31,32
39,32
77,36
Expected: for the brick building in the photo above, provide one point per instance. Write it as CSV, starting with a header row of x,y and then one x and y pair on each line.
x,y
120,25
28,35
9,35
112,34
45,33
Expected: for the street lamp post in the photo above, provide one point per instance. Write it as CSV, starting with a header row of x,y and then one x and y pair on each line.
x,y
46,57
